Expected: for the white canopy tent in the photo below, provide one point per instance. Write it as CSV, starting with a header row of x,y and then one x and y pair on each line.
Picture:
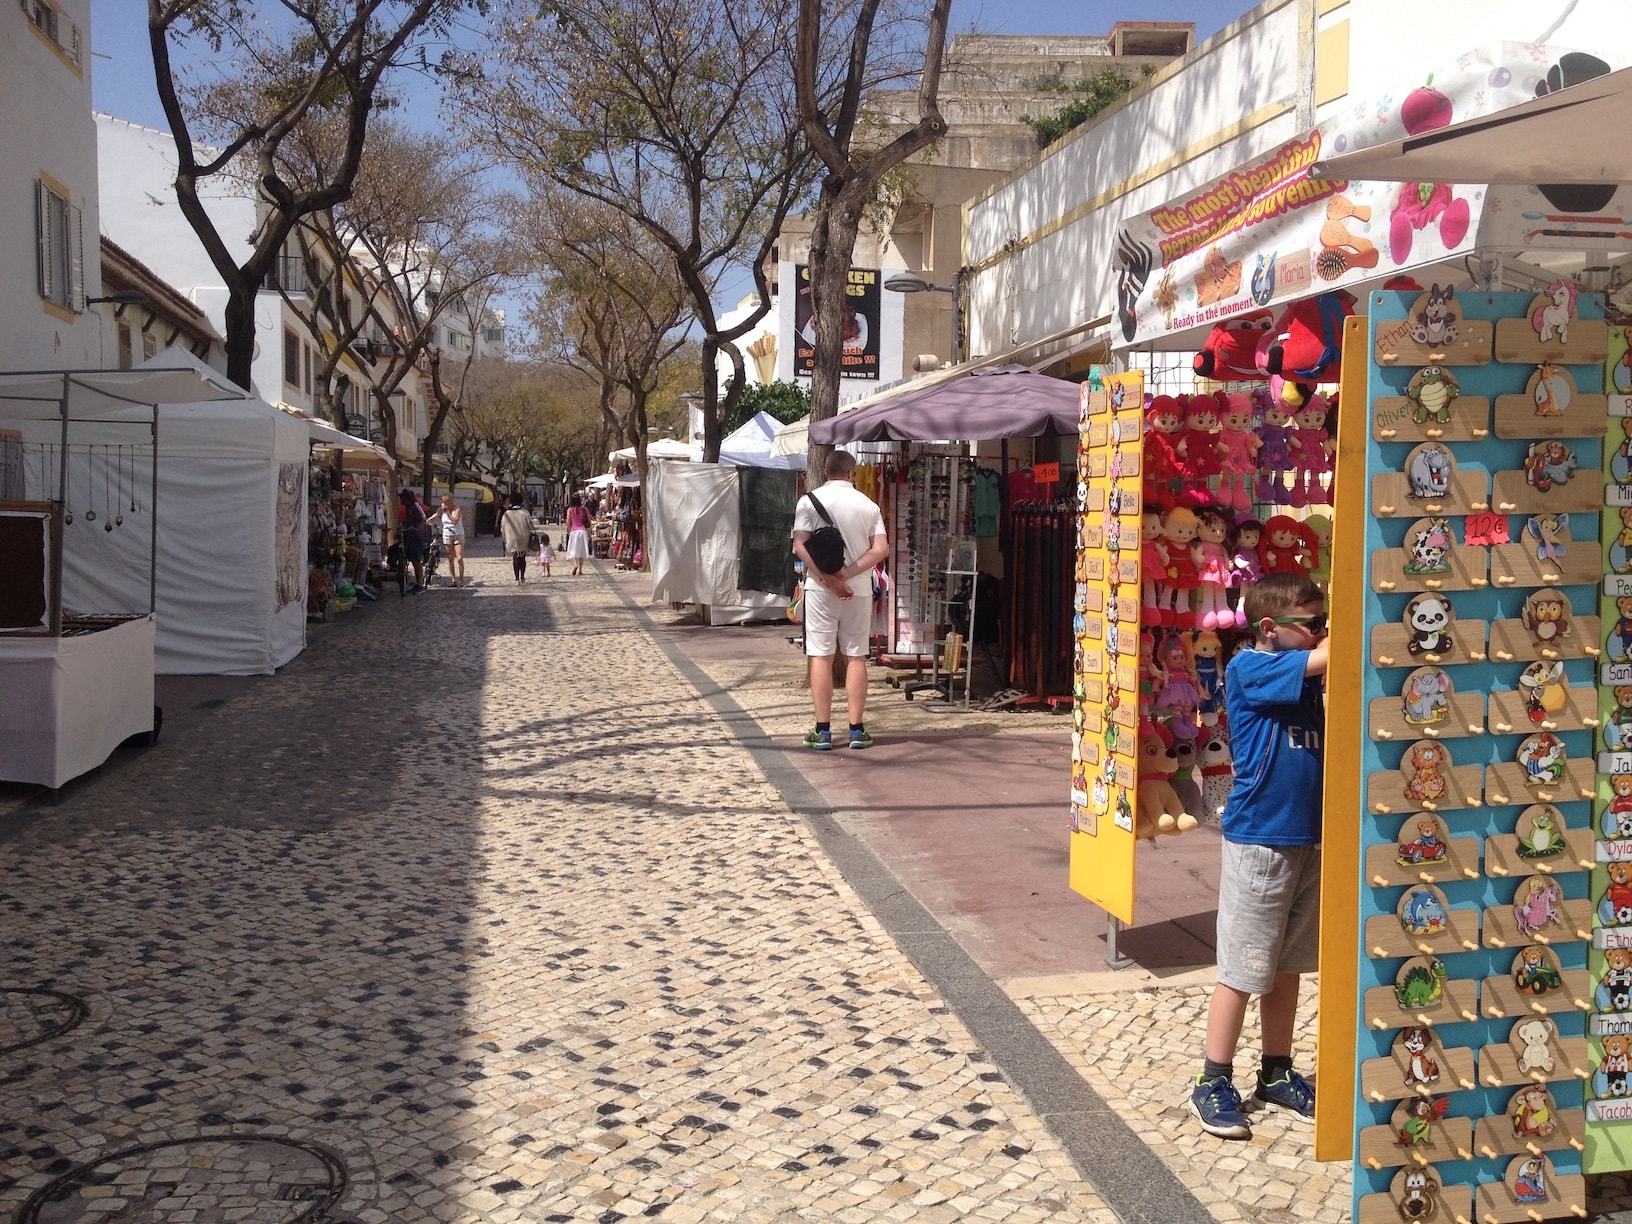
x,y
230,577
663,448
753,445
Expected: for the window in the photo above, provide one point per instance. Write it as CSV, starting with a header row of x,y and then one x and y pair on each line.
x,y
291,358
150,343
61,242
458,341
494,335
65,38
124,345
307,384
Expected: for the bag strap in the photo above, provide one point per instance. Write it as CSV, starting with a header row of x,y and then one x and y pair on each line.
x,y
821,510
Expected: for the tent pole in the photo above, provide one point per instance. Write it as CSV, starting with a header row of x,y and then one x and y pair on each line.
x,y
153,524
62,507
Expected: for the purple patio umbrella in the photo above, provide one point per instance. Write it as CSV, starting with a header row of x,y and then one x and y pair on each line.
x,y
1006,401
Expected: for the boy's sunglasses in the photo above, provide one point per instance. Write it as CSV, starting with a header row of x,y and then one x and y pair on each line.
x,y
1314,624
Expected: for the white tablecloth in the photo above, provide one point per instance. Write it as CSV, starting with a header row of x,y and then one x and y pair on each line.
x,y
67,703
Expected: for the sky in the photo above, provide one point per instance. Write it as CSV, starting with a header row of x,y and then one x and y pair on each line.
x,y
122,65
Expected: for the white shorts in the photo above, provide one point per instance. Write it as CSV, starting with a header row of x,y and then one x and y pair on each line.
x,y
1268,914
834,625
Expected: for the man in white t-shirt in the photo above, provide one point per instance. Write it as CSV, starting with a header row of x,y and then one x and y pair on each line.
x,y
839,606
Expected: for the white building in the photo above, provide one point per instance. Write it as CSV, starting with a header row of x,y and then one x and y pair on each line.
x,y
48,205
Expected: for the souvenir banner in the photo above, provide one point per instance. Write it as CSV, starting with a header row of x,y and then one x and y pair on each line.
x,y
1268,232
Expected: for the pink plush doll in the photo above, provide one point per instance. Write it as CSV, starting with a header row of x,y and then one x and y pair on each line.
x,y
1162,475
1180,527
1213,572
1311,453
1284,551
1149,682
1153,562
1239,447
1180,695
1245,567
1198,450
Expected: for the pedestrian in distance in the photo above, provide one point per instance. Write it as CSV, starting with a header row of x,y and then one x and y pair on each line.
x,y
838,603
577,535
546,554
517,527
1269,884
452,520
411,535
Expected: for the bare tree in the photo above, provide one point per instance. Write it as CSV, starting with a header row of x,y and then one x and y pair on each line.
x,y
688,127
852,174
325,59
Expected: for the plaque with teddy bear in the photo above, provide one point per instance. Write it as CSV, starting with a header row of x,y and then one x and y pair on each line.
x,y
1423,852
1533,1053
1535,985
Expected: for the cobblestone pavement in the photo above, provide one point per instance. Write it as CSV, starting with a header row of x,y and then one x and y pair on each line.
x,y
475,914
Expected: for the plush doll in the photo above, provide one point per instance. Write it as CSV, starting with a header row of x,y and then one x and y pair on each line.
x,y
1317,538
1186,778
1274,450
1217,771
1283,551
1152,563
1180,696
1149,682
1245,565
1310,444
1239,447
1206,654
1199,451
1213,571
1229,353
1180,527
1163,420
1159,809
1309,337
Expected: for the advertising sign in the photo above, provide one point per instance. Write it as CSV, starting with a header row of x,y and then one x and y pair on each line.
x,y
861,324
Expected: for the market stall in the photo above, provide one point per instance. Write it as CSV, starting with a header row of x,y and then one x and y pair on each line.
x,y
78,663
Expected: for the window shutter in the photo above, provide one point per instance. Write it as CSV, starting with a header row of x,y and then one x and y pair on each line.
x,y
45,214
75,242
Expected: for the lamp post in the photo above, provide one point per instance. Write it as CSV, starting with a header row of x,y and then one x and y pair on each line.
x,y
911,282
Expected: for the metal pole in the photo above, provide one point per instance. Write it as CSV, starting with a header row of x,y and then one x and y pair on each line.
x,y
1113,958
153,524
62,508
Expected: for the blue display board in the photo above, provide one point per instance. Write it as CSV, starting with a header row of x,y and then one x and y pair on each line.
x,y
1482,724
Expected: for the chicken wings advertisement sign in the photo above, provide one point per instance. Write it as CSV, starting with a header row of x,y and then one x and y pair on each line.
x,y
1268,232
861,325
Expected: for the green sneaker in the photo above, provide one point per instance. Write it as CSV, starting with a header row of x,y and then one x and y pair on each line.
x,y
819,739
859,738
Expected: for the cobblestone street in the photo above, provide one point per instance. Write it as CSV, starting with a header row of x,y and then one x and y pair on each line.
x,y
475,913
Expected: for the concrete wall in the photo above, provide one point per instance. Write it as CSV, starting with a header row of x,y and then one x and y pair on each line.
x,y
45,99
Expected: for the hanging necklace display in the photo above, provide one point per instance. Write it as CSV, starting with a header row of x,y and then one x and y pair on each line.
x,y
107,499
90,487
119,513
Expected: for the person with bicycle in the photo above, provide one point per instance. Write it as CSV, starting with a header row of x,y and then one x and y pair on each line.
x,y
411,535
453,538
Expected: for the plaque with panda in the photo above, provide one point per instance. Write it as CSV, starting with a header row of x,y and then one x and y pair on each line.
x,y
1428,632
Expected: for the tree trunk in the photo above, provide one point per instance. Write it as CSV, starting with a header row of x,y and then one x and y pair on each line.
x,y
711,398
832,244
240,338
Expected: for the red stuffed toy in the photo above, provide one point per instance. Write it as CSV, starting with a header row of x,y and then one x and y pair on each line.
x,y
1309,338
1229,353
1163,420
1284,549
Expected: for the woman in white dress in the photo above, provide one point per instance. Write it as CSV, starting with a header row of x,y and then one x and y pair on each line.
x,y
453,538
577,535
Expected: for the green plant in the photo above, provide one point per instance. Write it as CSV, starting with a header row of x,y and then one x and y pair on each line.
x,y
785,401
1092,95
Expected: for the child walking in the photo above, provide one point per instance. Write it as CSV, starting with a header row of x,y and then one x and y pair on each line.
x,y
546,554
1269,884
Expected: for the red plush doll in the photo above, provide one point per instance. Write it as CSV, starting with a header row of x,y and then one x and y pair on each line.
x,y
1199,450
1161,465
1283,550
1309,344
1228,354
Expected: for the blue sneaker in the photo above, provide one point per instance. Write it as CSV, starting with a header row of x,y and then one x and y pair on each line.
x,y
1290,1091
819,739
1217,1106
859,738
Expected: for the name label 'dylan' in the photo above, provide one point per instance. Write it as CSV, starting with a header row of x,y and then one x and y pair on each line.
x,y
1616,851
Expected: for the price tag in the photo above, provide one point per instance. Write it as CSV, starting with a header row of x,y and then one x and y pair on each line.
x,y
1045,473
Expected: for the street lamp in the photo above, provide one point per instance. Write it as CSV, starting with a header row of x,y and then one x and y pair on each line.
x,y
123,298
911,282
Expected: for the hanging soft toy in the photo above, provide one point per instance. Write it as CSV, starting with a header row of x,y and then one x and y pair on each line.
x,y
1180,526
1206,656
1309,337
1200,451
1158,808
1213,572
1163,418
1149,682
1179,699
1317,538
1311,454
1152,563
1239,447
1229,353
1283,550
1274,445
1245,566
1217,771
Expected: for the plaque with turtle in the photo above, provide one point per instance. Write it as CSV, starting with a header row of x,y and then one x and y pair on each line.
x,y
1432,409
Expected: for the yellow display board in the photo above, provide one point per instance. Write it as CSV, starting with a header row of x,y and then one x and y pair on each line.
x,y
1104,745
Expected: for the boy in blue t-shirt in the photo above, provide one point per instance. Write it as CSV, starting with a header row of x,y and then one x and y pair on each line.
x,y
1269,885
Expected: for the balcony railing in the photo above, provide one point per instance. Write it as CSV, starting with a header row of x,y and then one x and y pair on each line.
x,y
288,273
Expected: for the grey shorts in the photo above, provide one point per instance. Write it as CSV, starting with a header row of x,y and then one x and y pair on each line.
x,y
1268,914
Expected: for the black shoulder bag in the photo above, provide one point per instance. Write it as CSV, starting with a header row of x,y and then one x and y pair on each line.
x,y
825,547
